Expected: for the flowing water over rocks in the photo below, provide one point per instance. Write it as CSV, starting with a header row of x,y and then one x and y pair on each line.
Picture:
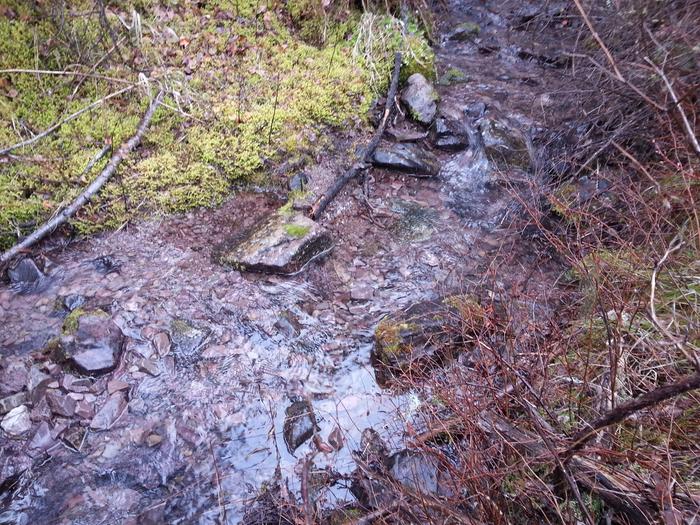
x,y
212,378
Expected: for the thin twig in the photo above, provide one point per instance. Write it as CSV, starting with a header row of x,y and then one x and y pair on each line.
x,y
70,117
91,190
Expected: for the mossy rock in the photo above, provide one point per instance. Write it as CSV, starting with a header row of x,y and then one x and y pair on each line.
x,y
453,76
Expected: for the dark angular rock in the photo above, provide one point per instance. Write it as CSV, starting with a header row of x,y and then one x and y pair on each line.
x,y
420,98
298,182
26,278
60,403
73,301
37,383
282,243
299,424
106,264
408,158
447,134
110,412
42,439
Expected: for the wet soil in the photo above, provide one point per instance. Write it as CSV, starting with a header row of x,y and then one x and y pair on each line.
x,y
203,432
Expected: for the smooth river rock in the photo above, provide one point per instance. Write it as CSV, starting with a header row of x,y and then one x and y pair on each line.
x,y
282,243
420,98
408,158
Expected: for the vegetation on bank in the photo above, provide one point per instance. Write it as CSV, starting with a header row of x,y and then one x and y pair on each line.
x,y
249,85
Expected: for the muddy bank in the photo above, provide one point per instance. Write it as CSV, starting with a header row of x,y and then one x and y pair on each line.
x,y
194,416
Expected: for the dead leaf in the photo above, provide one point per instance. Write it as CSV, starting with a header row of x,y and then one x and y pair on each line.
x,y
184,42
335,438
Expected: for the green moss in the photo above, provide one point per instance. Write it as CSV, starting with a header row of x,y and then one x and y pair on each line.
x,y
296,230
453,76
70,323
389,339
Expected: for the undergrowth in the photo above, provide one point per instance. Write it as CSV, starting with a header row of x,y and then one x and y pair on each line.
x,y
247,87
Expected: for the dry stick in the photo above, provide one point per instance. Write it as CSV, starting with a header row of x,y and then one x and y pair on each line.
x,y
63,74
616,415
357,167
677,103
91,190
73,116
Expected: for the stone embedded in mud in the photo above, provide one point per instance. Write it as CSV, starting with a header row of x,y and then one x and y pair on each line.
x,y
299,424
504,144
422,336
282,243
17,421
110,412
96,344
409,158
464,31
420,98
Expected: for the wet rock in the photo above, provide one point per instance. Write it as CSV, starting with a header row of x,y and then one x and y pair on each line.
x,y
299,182
416,222
504,144
420,98
95,347
446,134
373,491
161,342
84,410
416,471
147,366
116,385
453,76
26,278
110,412
464,32
282,243
361,292
288,324
423,336
73,301
187,340
299,424
42,438
106,265
408,158
60,404
14,374
11,402
17,421
76,384
37,383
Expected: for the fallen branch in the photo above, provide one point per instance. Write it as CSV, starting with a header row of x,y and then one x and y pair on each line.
x,y
656,396
361,165
91,190
73,116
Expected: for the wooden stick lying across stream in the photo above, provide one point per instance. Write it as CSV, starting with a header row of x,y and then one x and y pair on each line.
x,y
90,191
362,164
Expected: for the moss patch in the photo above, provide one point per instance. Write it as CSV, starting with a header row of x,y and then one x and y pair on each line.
x,y
248,89
296,230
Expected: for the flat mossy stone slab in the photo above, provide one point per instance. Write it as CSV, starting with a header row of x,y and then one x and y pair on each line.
x,y
282,243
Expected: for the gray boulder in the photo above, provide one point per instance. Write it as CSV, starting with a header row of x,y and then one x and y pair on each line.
x,y
282,243
504,144
420,98
409,158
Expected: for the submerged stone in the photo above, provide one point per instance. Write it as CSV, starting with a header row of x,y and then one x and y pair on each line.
x,y
504,144
110,412
299,424
420,98
409,158
187,340
282,243
423,336
96,344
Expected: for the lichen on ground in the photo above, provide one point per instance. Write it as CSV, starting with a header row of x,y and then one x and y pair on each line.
x,y
248,85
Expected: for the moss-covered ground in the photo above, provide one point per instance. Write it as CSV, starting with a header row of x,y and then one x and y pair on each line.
x,y
248,85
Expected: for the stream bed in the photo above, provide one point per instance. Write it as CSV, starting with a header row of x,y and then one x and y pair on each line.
x,y
194,412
